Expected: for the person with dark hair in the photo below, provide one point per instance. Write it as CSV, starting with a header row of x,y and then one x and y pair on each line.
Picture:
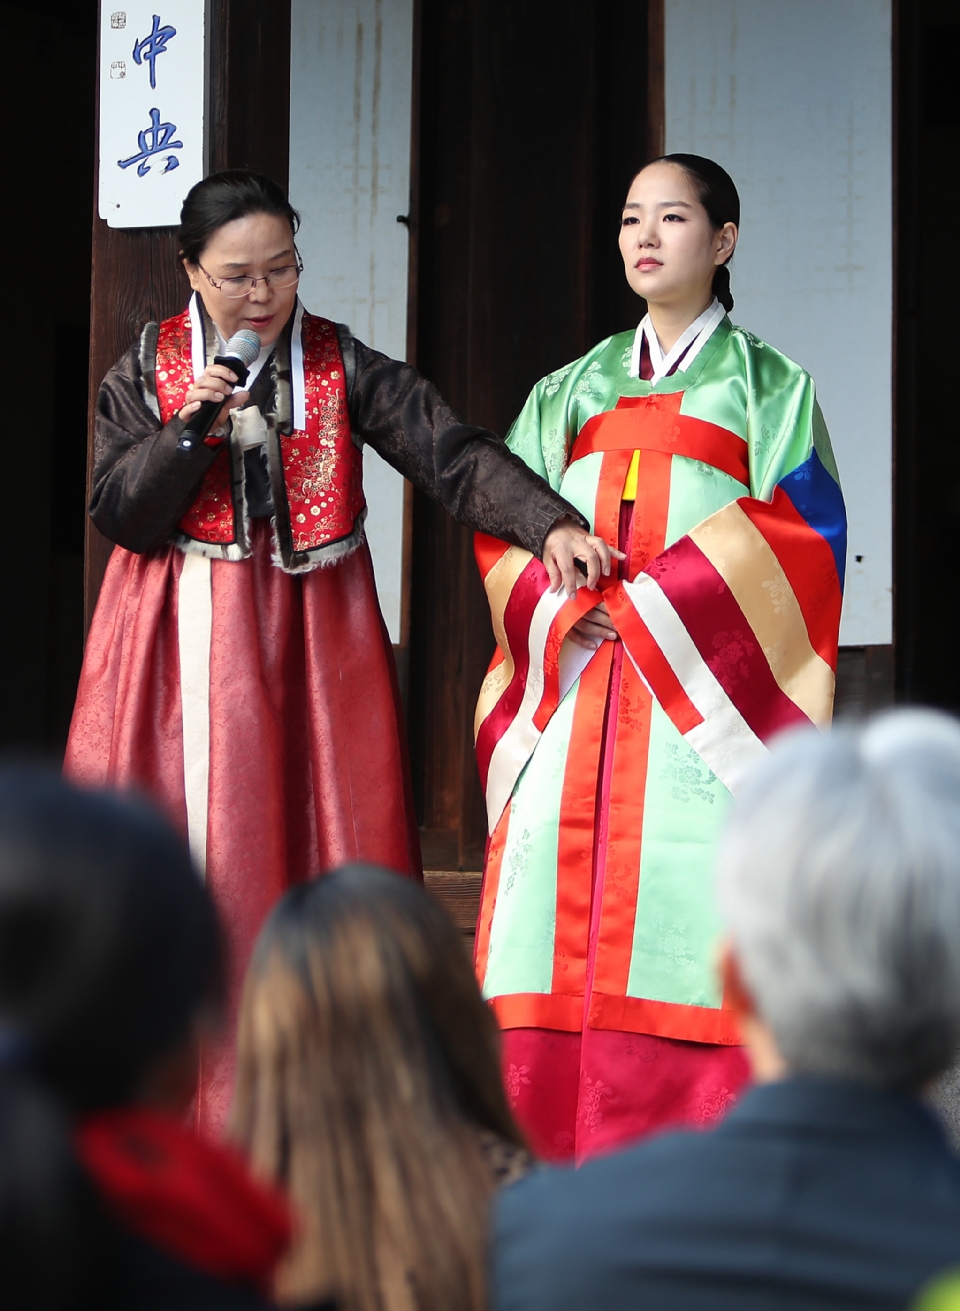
x,y
109,968
238,669
369,1087
613,727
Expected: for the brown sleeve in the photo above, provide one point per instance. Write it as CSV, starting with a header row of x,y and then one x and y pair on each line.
x,y
468,470
142,486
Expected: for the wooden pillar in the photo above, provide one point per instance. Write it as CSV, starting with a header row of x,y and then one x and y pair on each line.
x,y
135,274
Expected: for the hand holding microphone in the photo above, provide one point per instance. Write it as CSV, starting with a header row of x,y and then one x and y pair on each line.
x,y
239,353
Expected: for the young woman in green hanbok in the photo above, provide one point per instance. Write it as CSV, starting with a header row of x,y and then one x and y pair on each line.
x,y
614,727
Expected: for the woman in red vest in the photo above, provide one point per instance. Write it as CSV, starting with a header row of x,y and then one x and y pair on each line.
x,y
238,669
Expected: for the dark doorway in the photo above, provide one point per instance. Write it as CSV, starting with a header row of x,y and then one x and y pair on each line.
x,y
48,98
927,609
532,123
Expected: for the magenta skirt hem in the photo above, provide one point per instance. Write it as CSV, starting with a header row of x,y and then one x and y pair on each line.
x,y
578,1095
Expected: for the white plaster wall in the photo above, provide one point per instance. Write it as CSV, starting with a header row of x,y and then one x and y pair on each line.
x,y
793,98
350,102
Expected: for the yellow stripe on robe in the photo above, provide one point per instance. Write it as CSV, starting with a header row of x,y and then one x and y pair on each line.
x,y
630,486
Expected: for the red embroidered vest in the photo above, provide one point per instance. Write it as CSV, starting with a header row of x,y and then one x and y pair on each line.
x,y
321,464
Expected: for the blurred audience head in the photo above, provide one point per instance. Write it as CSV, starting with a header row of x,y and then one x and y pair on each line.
x,y
108,951
368,1074
839,885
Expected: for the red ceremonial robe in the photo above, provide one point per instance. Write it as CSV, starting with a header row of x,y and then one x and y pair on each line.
x,y
591,1064
297,696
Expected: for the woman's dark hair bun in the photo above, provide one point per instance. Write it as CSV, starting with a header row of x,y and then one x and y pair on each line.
x,y
721,287
718,195
223,197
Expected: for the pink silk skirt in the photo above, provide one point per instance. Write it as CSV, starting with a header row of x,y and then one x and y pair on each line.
x,y
307,752
577,1095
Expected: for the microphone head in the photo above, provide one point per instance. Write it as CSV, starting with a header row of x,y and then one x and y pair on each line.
x,y
243,345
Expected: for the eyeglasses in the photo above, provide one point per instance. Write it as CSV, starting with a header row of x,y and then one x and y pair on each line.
x,y
234,288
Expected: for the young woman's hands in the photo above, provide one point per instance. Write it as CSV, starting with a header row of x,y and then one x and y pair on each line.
x,y
593,628
214,385
566,543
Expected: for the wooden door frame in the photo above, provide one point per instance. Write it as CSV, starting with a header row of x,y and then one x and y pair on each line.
x,y
443,756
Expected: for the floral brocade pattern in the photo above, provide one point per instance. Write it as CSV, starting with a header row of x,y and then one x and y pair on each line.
x,y
322,466
609,1089
211,517
687,775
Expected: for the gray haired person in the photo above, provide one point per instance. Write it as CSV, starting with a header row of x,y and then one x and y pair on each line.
x,y
831,1183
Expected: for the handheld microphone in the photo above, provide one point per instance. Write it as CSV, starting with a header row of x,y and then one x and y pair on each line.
x,y
238,354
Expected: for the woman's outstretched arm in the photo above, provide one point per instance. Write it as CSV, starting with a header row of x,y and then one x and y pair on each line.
x,y
468,469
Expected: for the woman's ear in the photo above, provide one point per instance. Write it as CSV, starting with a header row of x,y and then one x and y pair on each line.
x,y
757,1036
726,243
193,274
736,994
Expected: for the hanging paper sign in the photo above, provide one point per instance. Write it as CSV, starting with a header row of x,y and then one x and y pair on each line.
x,y
151,109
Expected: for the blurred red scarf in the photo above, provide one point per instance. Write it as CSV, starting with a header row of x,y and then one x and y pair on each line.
x,y
193,1199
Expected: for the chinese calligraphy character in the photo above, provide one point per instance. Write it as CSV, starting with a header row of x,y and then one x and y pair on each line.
x,y
118,21
152,46
154,140
118,69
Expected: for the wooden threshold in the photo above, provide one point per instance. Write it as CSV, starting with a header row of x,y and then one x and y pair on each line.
x,y
458,892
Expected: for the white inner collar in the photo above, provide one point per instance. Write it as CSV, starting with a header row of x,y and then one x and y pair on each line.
x,y
695,337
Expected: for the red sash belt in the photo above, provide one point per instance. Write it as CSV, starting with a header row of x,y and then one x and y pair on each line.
x,y
654,423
